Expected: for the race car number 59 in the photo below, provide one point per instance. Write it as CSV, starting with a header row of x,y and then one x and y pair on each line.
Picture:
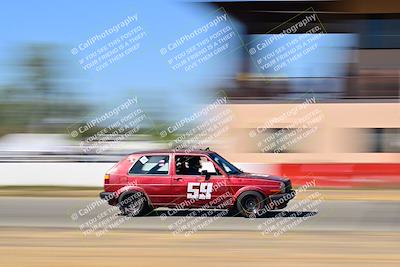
x,y
199,190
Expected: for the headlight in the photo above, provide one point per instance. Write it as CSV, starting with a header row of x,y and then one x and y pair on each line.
x,y
283,187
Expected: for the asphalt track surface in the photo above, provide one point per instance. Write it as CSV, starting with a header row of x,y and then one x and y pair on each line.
x,y
325,215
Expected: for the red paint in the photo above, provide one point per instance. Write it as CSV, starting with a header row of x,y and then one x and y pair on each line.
x,y
169,190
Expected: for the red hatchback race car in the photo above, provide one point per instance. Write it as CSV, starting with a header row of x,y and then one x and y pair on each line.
x,y
144,181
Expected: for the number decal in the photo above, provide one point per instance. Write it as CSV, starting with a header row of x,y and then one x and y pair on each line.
x,y
199,190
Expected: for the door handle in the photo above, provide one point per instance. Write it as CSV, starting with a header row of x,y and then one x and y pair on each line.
x,y
178,179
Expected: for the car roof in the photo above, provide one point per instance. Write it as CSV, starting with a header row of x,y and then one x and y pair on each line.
x,y
165,151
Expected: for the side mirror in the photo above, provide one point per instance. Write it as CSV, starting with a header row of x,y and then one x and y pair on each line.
x,y
206,174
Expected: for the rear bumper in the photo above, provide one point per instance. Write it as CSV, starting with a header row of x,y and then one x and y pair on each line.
x,y
280,201
107,196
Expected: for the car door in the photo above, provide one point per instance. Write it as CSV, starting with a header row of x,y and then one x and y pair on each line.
x,y
152,173
191,187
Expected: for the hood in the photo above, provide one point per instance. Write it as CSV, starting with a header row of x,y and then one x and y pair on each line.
x,y
262,176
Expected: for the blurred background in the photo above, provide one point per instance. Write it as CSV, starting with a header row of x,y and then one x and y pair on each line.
x,y
320,106
353,75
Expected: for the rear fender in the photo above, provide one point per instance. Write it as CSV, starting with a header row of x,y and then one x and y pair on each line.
x,y
132,188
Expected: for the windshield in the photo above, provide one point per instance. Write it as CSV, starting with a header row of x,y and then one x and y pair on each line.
x,y
224,164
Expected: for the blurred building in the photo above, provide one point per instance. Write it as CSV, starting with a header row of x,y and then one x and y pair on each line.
x,y
358,136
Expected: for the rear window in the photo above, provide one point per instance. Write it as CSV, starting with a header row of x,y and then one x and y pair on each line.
x,y
158,165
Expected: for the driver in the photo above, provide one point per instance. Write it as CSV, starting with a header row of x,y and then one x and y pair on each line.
x,y
194,166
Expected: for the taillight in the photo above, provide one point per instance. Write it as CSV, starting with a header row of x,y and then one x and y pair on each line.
x,y
106,179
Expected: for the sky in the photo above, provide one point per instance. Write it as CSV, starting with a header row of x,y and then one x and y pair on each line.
x,y
144,72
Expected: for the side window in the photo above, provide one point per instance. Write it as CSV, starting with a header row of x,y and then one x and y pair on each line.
x,y
194,165
226,167
151,165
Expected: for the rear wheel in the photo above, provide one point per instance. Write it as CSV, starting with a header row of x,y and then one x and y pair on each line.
x,y
250,203
132,203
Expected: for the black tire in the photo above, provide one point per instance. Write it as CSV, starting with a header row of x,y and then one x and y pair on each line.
x,y
132,203
250,203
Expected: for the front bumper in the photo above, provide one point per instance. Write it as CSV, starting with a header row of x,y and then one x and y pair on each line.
x,y
280,201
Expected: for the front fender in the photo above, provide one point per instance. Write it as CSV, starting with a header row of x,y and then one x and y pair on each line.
x,y
248,188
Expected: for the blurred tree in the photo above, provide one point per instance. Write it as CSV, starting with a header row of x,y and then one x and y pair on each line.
x,y
37,101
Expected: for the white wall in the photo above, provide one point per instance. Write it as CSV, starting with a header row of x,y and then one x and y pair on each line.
x,y
66,174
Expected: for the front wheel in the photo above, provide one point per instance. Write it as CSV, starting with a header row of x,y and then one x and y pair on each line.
x,y
250,203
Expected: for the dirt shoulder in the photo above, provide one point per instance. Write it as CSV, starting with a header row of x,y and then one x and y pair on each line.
x,y
44,247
